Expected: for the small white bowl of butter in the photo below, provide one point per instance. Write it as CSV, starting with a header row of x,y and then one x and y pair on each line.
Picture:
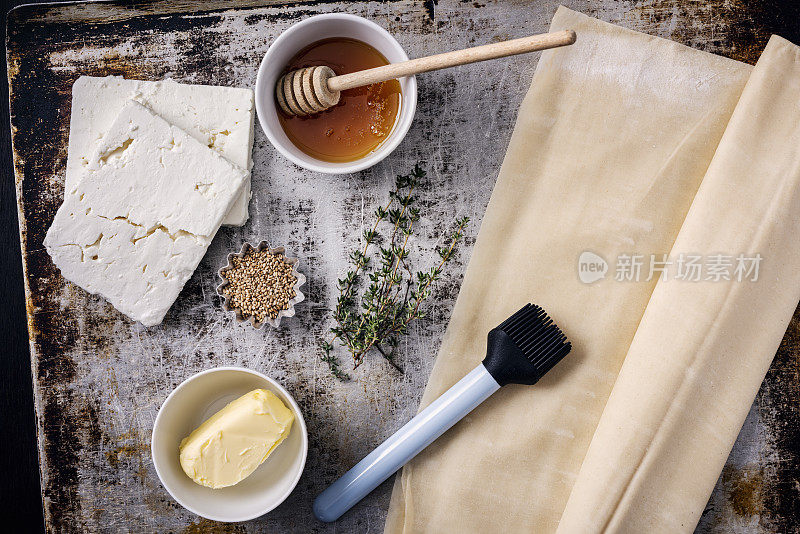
x,y
192,403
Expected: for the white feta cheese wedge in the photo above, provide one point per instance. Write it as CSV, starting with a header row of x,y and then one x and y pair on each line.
x,y
218,117
136,224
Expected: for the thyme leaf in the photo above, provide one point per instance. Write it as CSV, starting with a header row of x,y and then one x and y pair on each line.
x,y
380,295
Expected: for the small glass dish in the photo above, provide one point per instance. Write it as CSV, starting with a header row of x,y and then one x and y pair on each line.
x,y
242,317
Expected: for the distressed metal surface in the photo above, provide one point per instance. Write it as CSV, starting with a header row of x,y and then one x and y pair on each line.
x,y
99,379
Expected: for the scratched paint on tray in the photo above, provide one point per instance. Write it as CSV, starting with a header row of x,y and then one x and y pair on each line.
x,y
99,379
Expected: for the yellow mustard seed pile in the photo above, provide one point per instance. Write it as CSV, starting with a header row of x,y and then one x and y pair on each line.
x,y
260,284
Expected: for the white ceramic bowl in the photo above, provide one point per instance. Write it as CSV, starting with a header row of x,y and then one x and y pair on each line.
x,y
195,400
303,34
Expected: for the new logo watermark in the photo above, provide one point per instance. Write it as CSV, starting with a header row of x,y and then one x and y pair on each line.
x,y
683,267
591,267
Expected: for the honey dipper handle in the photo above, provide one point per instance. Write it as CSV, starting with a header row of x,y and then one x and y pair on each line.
x,y
451,59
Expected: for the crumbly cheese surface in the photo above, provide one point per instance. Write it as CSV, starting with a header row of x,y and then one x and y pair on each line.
x,y
136,224
233,442
218,117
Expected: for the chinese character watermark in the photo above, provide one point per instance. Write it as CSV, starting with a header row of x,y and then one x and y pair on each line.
x,y
629,267
689,267
716,267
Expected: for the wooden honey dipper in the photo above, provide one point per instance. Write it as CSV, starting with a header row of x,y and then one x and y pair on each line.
x,y
310,90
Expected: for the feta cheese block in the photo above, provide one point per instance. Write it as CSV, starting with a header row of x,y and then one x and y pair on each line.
x,y
218,117
136,224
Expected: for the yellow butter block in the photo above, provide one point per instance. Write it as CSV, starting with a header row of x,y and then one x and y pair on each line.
x,y
233,442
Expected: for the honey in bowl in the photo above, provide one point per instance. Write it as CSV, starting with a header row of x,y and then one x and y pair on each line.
x,y
363,118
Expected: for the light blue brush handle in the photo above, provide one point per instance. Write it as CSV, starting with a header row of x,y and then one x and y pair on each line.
x,y
404,444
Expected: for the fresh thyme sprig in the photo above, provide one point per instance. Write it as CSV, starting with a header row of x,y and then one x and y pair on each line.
x,y
394,294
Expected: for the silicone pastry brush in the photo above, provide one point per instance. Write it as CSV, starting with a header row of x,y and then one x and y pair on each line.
x,y
310,90
520,351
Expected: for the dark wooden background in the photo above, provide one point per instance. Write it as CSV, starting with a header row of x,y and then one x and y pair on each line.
x,y
20,496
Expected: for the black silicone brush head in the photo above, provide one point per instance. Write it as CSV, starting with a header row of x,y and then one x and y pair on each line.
x,y
524,347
